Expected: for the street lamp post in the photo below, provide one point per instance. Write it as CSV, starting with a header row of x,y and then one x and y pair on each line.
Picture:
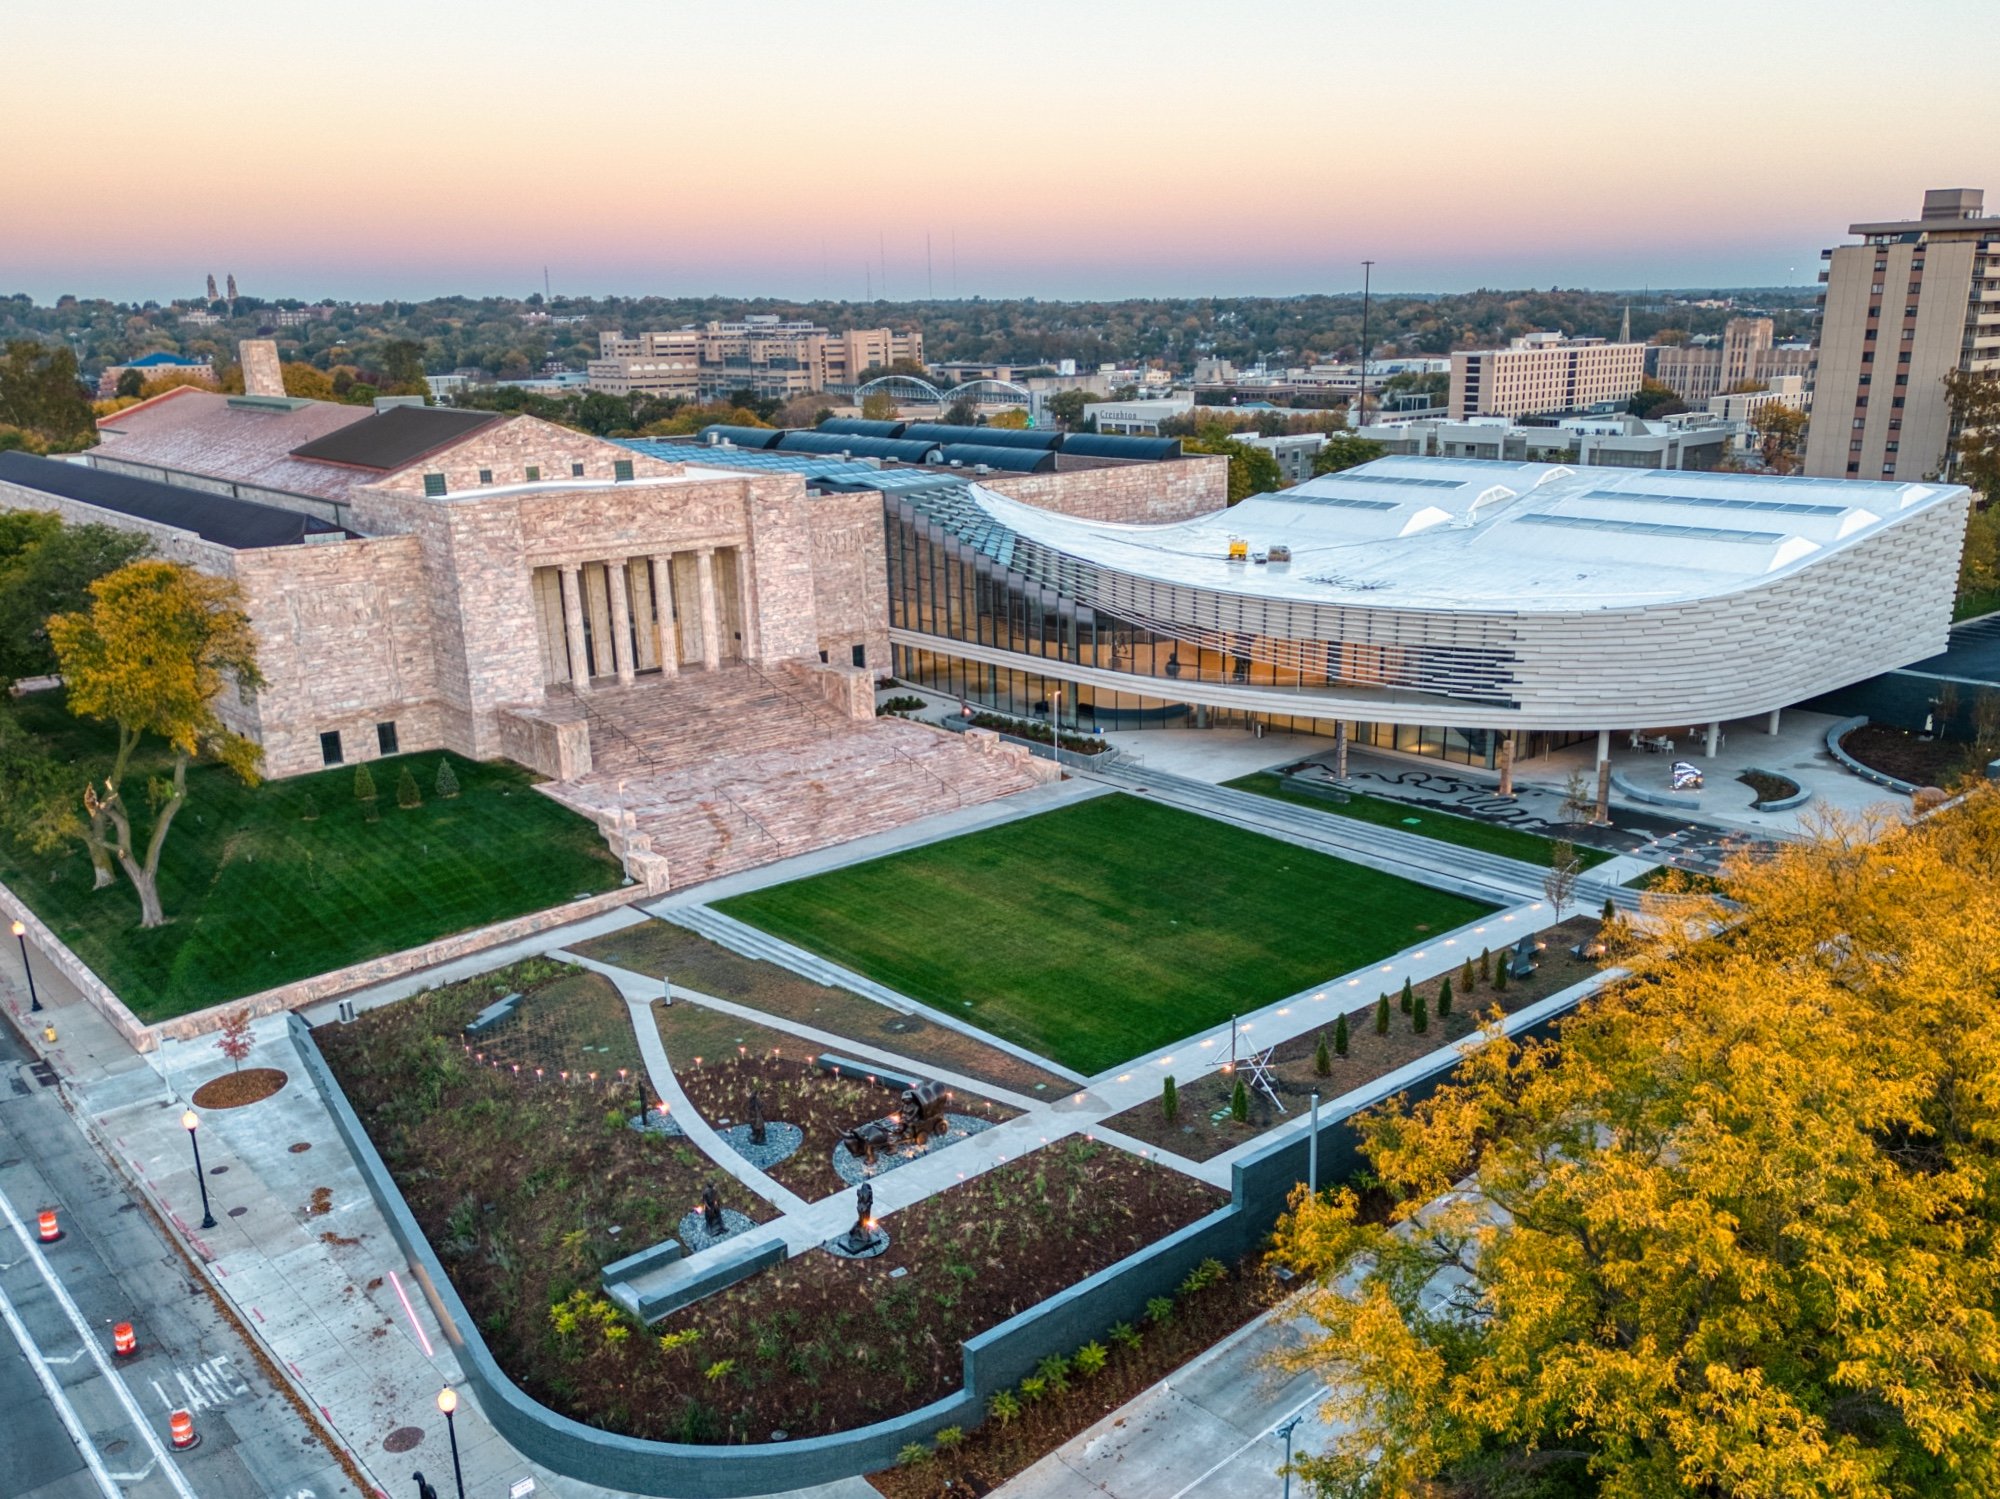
x,y
21,936
191,1121
1286,1431
448,1403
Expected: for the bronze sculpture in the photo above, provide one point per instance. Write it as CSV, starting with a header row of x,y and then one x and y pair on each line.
x,y
711,1211
756,1112
862,1234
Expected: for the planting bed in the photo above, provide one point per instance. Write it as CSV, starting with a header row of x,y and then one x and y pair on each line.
x,y
524,1185
234,1090
1204,1093
659,948
1906,756
821,1344
794,1091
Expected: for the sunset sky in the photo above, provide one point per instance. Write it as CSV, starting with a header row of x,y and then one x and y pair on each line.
x,y
1091,148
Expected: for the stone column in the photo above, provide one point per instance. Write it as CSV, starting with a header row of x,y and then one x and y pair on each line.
x,y
1602,813
1771,724
621,619
745,603
1712,741
666,639
1507,763
711,628
572,602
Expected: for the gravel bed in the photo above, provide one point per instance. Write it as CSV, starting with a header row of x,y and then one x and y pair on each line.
x,y
854,1171
781,1141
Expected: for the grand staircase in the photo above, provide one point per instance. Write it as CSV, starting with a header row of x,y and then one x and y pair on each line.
x,y
730,769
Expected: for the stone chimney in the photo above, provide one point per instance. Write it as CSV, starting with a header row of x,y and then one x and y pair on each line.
x,y
262,375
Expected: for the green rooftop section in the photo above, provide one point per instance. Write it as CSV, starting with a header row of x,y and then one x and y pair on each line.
x,y
1099,932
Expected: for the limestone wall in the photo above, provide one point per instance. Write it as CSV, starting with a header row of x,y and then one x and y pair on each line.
x,y
1139,492
781,567
850,577
508,449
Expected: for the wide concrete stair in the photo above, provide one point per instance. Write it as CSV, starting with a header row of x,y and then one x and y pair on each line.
x,y
727,770
1446,866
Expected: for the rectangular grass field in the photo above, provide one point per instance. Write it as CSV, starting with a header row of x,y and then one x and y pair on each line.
x,y
258,894
1101,931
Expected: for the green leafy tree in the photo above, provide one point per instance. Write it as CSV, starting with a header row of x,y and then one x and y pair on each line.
x,y
1013,419
153,654
1323,1057
40,393
878,406
1501,968
46,568
1239,1103
1340,1037
1485,965
1420,1016
130,383
1251,470
1974,398
1444,997
364,784
1652,399
1170,1099
1467,979
1066,406
1344,451
1382,1016
408,796
1407,1001
447,781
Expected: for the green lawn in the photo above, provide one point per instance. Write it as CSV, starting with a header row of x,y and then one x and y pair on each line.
x,y
1098,932
256,895
1446,827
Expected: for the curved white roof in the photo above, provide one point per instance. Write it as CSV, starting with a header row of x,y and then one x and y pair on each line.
x,y
1463,534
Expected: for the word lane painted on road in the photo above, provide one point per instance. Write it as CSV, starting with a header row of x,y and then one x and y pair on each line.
x,y
211,1383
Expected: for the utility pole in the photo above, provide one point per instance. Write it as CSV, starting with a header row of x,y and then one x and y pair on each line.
x,y
1367,274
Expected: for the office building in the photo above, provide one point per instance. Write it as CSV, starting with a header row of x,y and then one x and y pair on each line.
x,y
1542,374
764,354
1914,301
1744,355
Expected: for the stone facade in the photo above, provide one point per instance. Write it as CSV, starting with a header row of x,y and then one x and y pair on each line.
x,y
1156,493
263,375
850,569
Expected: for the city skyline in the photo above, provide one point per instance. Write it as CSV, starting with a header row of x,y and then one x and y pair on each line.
x,y
1120,151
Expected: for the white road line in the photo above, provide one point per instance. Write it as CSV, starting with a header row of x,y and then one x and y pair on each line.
x,y
83,1329
54,1390
1311,1399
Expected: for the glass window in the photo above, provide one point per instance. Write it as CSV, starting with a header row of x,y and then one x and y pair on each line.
x,y
385,738
329,748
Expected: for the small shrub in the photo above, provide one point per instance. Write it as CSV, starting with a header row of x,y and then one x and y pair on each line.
x,y
1090,1358
1032,1389
913,1455
447,781
1170,1100
1467,979
718,1370
1003,1407
364,784
1610,913
1485,965
1500,974
1125,1335
1382,1015
1054,1373
1322,1057
407,794
1420,1017
950,1437
1444,997
685,1338
1160,1309
1408,1001
310,812
1239,1103
1202,1276
1339,1037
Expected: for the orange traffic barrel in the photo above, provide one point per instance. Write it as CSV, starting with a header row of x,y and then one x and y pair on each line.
x,y
181,1426
123,1343
50,1229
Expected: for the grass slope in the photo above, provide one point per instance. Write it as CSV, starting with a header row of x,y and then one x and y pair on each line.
x,y
257,896
1098,932
1445,827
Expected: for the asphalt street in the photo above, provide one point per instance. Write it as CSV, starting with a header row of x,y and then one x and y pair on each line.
x,y
78,1421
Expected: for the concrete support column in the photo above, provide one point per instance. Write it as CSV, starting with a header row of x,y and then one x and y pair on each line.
x,y
711,627
1340,749
1602,814
621,620
1507,763
1771,724
572,603
666,638
1712,741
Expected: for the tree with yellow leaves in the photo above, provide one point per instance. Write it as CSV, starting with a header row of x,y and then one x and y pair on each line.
x,y
1734,1233
153,653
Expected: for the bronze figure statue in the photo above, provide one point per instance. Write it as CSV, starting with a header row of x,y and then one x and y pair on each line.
x,y
756,1112
711,1211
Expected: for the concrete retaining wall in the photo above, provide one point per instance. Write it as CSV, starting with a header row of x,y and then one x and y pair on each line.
x,y
1262,1182
1783,803
1638,793
1881,778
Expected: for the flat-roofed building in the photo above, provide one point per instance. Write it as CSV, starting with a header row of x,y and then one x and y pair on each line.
x,y
1744,355
764,354
1544,373
1916,300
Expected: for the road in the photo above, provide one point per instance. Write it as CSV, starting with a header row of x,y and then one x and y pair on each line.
x,y
80,1423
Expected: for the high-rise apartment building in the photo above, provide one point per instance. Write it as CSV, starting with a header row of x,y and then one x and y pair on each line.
x,y
1914,301
1697,373
1543,373
764,354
